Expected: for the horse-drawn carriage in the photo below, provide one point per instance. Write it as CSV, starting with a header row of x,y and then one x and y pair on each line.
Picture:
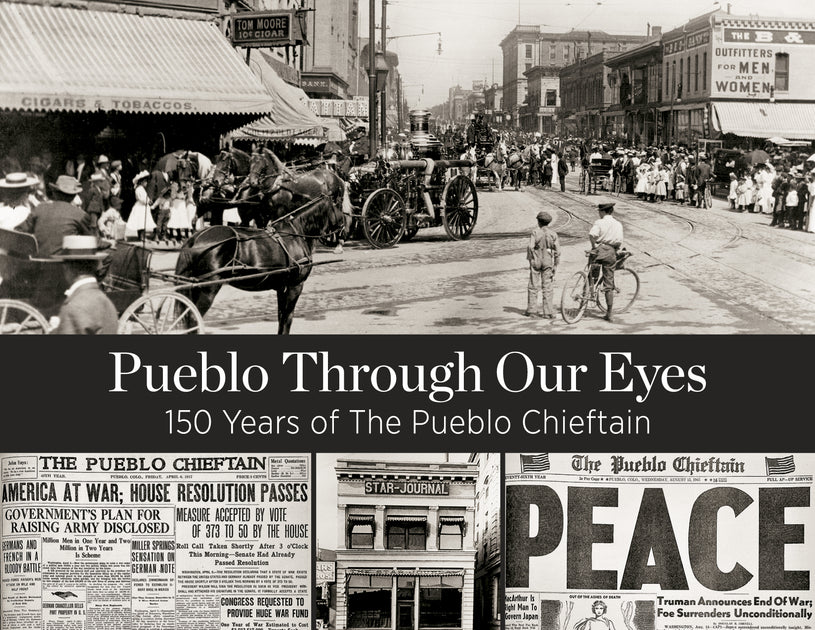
x,y
597,173
31,291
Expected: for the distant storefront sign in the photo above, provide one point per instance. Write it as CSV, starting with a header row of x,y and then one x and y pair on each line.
x,y
264,29
339,108
326,572
768,36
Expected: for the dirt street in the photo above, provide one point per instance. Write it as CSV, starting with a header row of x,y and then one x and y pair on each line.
x,y
701,271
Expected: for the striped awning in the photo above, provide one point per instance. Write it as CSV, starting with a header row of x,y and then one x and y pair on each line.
x,y
407,572
355,519
794,121
406,519
71,59
451,520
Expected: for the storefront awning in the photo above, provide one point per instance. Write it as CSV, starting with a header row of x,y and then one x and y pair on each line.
x,y
354,519
408,572
70,59
451,520
794,121
406,519
288,115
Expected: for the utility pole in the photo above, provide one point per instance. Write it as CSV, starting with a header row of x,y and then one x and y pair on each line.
x,y
384,95
371,78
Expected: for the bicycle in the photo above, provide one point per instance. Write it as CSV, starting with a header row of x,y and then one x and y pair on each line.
x,y
585,287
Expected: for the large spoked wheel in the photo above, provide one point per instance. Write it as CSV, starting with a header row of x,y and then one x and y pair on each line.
x,y
575,298
19,318
460,208
161,313
708,197
626,290
384,219
583,179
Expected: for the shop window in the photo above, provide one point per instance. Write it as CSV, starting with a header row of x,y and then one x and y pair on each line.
x,y
360,532
551,98
782,72
369,601
403,534
440,601
451,532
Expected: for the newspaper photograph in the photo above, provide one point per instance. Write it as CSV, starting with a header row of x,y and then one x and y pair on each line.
x,y
659,541
408,541
155,542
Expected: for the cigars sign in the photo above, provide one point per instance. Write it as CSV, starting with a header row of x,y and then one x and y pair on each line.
x,y
266,29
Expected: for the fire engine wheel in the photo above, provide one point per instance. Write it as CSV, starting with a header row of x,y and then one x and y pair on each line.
x,y
19,318
384,219
460,211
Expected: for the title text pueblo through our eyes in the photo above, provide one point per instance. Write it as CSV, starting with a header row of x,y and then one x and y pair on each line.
x,y
514,372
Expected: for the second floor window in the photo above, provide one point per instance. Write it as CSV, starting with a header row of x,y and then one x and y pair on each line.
x,y
528,51
782,72
551,98
451,532
361,532
404,533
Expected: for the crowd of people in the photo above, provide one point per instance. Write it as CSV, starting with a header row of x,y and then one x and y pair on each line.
x,y
147,206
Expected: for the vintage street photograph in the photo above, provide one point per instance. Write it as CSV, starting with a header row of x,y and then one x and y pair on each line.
x,y
408,541
407,167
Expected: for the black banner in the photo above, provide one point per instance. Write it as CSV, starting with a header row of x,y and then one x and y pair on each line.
x,y
408,393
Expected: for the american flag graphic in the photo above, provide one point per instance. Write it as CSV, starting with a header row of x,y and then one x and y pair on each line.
x,y
780,465
539,462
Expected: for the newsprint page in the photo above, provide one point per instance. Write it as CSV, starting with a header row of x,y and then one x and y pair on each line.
x,y
155,542
659,542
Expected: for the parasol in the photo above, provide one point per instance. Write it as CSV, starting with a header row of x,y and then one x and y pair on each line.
x,y
777,140
811,158
756,157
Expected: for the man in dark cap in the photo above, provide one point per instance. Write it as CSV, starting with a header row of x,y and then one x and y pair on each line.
x,y
606,238
543,254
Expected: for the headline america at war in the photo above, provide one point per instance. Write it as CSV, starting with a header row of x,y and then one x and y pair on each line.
x,y
315,372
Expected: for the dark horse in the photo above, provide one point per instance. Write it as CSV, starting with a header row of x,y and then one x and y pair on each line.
x,y
222,189
306,207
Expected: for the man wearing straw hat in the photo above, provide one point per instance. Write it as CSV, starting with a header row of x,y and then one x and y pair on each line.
x,y
86,310
15,204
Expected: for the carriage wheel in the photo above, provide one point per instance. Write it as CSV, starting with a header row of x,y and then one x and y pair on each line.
x,y
384,219
19,318
161,313
460,208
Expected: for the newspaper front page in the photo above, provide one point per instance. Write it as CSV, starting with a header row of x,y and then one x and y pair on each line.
x,y
178,541
659,542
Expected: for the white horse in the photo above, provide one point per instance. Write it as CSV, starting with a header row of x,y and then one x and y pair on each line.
x,y
496,161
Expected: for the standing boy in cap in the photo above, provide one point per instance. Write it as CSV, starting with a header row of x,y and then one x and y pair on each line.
x,y
543,254
606,237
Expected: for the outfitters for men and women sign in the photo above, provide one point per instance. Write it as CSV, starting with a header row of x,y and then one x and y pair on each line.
x,y
762,60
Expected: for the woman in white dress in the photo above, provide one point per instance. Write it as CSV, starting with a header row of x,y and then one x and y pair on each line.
x,y
140,220
641,189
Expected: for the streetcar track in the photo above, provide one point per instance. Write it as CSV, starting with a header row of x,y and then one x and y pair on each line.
x,y
739,235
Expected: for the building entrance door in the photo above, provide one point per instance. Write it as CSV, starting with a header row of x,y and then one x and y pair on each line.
x,y
405,621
